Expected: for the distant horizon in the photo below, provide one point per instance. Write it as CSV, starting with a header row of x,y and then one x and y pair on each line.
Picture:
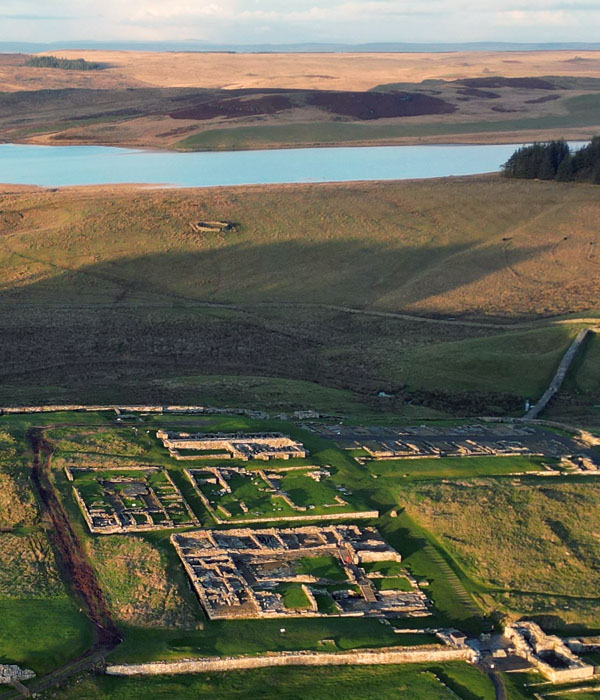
x,y
200,45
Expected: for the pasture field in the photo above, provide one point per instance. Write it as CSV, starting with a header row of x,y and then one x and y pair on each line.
x,y
490,251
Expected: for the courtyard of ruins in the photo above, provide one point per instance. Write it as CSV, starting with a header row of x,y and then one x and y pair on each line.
x,y
239,495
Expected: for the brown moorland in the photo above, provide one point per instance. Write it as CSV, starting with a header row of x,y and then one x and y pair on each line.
x,y
330,71
190,101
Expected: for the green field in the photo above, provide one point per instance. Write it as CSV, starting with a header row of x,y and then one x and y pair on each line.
x,y
42,634
454,467
229,637
443,682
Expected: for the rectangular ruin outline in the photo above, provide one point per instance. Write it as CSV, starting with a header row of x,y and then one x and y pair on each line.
x,y
324,517
238,445
462,441
120,529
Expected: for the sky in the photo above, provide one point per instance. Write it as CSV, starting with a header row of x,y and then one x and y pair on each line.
x,y
294,21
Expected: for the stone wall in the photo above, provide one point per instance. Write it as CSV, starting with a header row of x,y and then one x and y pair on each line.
x,y
559,377
118,408
400,655
11,672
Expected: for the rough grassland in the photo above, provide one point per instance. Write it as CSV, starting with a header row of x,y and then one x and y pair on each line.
x,y
113,283
17,504
27,568
481,246
134,577
536,541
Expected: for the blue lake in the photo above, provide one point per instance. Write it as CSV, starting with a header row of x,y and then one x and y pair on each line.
x,y
56,166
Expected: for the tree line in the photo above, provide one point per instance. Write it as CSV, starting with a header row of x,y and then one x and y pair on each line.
x,y
554,160
63,63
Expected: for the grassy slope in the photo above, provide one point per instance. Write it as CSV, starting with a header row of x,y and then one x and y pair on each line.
x,y
477,246
484,246
530,554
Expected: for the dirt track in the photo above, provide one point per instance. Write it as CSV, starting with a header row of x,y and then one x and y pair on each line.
x,y
72,560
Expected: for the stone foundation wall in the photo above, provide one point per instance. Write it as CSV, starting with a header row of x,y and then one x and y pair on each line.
x,y
10,673
387,655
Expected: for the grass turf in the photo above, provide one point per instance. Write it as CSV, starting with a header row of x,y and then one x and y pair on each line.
x,y
319,683
42,634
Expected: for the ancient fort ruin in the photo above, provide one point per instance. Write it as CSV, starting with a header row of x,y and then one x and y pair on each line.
x,y
244,446
129,500
238,495
342,570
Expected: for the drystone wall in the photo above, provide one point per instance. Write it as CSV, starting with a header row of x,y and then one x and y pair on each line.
x,y
560,375
402,655
119,408
10,673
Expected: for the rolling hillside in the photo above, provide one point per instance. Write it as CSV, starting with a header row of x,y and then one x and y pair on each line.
x,y
116,285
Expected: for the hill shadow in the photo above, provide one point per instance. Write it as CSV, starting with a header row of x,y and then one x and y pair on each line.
x,y
348,272
137,327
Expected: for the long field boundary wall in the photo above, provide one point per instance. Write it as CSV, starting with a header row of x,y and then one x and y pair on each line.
x,y
140,408
403,655
560,375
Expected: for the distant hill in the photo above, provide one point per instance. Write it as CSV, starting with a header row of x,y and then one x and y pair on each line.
x,y
307,47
